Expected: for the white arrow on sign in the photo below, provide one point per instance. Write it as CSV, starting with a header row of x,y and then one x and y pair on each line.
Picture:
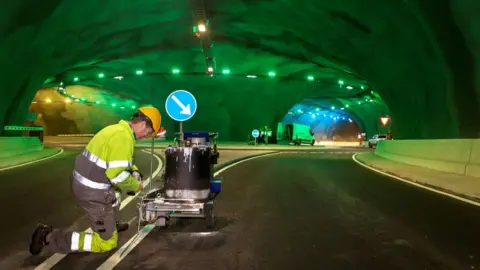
x,y
185,109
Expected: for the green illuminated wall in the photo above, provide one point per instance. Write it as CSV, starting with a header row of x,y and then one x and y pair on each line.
x,y
419,56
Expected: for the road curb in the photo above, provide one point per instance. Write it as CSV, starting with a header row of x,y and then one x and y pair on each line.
x,y
454,195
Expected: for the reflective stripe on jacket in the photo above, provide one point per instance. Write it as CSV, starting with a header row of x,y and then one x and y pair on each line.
x,y
107,159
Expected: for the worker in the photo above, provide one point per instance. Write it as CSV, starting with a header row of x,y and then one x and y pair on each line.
x,y
102,171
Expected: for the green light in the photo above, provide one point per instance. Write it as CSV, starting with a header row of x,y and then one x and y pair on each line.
x,y
139,72
359,102
333,107
226,71
133,107
97,102
252,76
113,104
82,99
317,109
371,92
75,79
362,87
101,75
310,78
341,82
175,71
347,105
194,29
271,74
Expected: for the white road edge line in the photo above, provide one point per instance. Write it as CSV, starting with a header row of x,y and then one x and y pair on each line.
x,y
57,257
453,196
123,251
33,161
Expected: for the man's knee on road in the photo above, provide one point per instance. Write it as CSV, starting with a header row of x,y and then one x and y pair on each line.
x,y
101,243
93,242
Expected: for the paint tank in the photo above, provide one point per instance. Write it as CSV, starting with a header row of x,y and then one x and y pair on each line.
x,y
188,171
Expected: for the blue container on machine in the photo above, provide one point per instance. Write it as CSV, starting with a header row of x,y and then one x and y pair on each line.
x,y
216,185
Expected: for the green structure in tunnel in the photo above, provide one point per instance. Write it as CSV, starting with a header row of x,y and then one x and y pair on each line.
x,y
248,62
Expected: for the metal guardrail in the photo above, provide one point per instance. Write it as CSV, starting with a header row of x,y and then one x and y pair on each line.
x,y
22,128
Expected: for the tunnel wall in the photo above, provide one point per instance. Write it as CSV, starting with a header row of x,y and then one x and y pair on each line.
x,y
232,106
429,84
458,156
59,117
16,146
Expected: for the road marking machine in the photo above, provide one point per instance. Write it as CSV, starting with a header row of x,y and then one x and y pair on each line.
x,y
189,187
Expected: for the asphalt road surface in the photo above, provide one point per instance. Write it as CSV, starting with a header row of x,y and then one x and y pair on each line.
x,y
318,211
289,211
41,193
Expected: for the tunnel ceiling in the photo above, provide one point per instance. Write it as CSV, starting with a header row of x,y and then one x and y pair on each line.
x,y
407,53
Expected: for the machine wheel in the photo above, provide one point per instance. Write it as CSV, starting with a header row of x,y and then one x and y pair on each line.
x,y
209,215
161,222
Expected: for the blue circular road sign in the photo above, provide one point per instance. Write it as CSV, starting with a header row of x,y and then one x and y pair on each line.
x,y
255,133
181,105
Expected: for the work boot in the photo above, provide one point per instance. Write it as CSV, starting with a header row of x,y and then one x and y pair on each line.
x,y
122,226
39,238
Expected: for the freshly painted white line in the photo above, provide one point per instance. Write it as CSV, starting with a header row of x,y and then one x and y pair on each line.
x,y
125,249
32,162
57,257
453,196
122,252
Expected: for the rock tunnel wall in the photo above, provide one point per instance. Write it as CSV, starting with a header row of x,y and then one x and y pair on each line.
x,y
232,106
59,117
419,55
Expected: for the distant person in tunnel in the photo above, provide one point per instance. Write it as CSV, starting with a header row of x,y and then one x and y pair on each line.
x,y
102,171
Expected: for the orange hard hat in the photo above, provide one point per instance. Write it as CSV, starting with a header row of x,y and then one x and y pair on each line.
x,y
154,115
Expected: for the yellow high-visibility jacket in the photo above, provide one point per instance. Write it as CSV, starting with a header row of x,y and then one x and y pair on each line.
x,y
107,160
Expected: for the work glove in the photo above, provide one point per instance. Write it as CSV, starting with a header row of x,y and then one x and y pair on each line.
x,y
137,176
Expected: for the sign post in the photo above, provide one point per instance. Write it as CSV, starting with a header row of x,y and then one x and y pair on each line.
x,y
255,134
181,105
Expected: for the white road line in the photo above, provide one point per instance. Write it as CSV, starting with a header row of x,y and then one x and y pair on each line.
x,y
122,252
32,162
125,249
57,257
416,184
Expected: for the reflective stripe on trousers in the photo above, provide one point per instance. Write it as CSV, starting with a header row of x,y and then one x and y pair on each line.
x,y
81,241
92,242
